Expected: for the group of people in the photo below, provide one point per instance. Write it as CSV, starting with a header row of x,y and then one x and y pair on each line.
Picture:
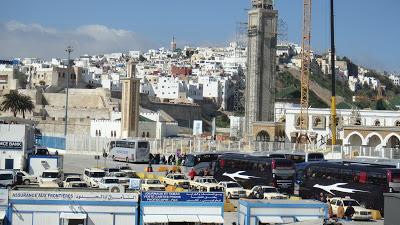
x,y
341,213
170,160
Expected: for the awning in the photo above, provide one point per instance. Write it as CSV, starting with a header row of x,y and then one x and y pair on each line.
x,y
2,214
270,219
307,218
73,216
155,219
183,218
211,219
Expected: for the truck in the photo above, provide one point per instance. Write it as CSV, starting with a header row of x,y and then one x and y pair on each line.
x,y
37,164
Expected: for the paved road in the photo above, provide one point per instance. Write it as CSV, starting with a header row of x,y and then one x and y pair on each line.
x,y
77,164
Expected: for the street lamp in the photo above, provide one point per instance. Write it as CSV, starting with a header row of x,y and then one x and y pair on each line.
x,y
68,50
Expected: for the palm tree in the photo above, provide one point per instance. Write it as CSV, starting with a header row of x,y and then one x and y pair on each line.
x,y
16,103
27,105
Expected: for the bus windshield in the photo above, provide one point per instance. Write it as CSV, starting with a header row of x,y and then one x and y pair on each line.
x,y
49,175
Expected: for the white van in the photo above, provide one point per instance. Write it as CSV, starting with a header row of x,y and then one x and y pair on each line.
x,y
51,178
92,176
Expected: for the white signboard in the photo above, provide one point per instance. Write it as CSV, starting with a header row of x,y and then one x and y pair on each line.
x,y
74,196
197,127
134,183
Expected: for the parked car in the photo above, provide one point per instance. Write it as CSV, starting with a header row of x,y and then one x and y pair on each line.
x,y
122,177
74,181
8,178
233,189
27,178
92,176
205,184
265,192
152,185
51,178
360,213
107,182
176,179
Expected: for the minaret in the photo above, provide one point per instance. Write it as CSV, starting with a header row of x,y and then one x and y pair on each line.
x,y
261,64
173,44
130,102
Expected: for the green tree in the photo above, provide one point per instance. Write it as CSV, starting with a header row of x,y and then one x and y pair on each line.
x,y
17,103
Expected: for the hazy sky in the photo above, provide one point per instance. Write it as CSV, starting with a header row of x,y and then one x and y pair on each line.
x,y
367,31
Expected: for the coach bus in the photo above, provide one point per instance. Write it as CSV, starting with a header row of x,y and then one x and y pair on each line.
x,y
129,150
200,161
250,170
296,157
362,182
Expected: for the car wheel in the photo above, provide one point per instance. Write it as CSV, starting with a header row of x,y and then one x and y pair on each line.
x,y
229,195
27,182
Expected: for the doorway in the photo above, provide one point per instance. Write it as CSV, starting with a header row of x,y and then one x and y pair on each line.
x,y
9,164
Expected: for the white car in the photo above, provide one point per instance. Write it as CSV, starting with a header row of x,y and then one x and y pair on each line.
x,y
152,185
73,181
205,184
269,192
360,213
51,178
107,182
233,189
176,179
92,176
27,178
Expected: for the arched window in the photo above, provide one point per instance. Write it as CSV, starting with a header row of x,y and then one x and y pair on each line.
x,y
148,134
97,133
143,134
115,133
263,136
112,134
377,123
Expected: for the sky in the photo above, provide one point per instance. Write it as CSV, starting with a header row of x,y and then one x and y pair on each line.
x,y
366,31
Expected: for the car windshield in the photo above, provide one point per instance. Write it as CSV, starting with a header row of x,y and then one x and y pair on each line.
x,y
350,202
153,182
233,185
131,174
179,177
125,168
110,170
210,180
49,175
71,179
269,190
111,181
120,175
97,174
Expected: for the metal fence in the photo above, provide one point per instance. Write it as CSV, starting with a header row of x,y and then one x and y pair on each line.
x,y
84,144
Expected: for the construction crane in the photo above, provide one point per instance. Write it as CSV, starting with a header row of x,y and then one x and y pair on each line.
x,y
305,72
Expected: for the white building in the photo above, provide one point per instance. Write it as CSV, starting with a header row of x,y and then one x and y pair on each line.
x,y
319,125
16,141
395,79
151,125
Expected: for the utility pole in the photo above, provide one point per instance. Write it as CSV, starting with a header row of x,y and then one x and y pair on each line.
x,y
68,50
333,53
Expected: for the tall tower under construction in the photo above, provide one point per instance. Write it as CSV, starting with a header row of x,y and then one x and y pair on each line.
x,y
261,64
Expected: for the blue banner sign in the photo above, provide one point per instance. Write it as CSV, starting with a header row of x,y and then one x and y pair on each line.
x,y
182,197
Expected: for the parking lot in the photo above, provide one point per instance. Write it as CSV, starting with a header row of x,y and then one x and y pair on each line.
x,y
77,163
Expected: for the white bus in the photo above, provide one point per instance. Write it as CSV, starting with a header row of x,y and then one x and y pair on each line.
x,y
129,150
